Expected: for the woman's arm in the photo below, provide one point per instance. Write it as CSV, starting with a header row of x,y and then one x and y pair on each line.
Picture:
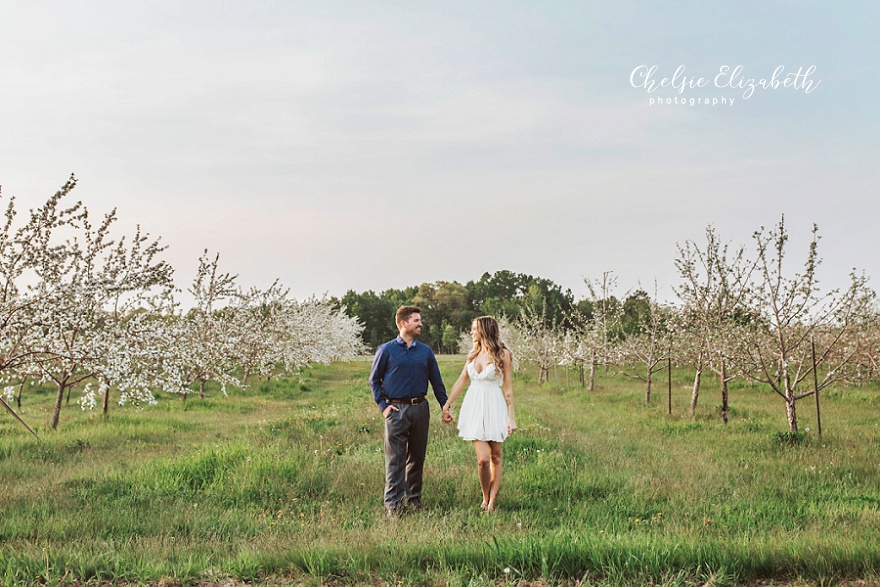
x,y
456,389
507,387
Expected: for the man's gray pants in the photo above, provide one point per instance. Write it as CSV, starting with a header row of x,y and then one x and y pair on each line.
x,y
406,441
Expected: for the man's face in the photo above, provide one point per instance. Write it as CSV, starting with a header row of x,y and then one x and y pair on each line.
x,y
413,326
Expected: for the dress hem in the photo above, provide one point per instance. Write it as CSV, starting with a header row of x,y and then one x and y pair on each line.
x,y
482,439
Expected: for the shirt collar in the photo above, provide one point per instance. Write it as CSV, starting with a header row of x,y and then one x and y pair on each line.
x,y
400,340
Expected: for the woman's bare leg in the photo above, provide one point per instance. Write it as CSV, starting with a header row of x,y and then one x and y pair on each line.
x,y
484,469
495,467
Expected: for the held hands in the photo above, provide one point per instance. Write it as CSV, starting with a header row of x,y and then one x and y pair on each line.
x,y
446,416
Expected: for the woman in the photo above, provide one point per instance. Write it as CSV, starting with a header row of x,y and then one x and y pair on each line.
x,y
486,415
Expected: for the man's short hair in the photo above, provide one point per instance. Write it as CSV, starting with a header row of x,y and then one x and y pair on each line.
x,y
404,312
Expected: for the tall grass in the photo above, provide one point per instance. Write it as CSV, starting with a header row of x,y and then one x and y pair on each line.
x,y
283,481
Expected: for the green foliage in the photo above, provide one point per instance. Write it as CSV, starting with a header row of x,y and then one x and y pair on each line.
x,y
505,293
375,312
450,338
449,307
283,486
636,311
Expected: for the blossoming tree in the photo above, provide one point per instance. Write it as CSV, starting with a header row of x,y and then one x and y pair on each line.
x,y
200,345
24,250
802,340
716,283
643,353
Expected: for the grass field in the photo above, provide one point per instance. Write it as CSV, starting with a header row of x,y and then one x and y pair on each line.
x,y
282,484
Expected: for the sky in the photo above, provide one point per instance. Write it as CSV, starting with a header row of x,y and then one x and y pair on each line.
x,y
339,145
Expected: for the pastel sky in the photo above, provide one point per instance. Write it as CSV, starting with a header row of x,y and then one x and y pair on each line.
x,y
362,145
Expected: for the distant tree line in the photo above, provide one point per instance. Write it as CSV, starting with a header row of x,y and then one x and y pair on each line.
x,y
448,307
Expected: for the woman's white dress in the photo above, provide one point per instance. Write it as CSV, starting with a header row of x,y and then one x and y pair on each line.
x,y
483,414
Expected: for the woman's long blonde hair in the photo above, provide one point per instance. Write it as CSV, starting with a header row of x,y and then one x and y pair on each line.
x,y
488,339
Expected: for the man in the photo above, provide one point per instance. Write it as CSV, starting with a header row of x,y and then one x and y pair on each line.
x,y
399,380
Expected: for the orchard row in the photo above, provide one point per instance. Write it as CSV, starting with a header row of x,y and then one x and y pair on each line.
x,y
81,306
740,313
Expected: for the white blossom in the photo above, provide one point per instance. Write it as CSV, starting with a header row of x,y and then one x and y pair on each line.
x,y
89,399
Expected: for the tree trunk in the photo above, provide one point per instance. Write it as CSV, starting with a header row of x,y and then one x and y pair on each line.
x,y
695,394
56,413
582,375
183,396
648,387
201,389
247,373
106,403
725,409
544,377
816,385
791,412
18,397
592,375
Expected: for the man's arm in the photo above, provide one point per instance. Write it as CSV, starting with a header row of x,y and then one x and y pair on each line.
x,y
377,374
436,380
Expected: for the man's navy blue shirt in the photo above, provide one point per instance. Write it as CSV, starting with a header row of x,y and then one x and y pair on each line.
x,y
403,372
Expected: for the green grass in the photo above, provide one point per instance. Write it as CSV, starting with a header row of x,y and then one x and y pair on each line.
x,y
283,482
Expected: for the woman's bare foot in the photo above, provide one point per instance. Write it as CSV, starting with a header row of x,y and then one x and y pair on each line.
x,y
490,507
484,505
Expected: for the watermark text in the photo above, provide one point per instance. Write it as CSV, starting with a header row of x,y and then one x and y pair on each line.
x,y
652,81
